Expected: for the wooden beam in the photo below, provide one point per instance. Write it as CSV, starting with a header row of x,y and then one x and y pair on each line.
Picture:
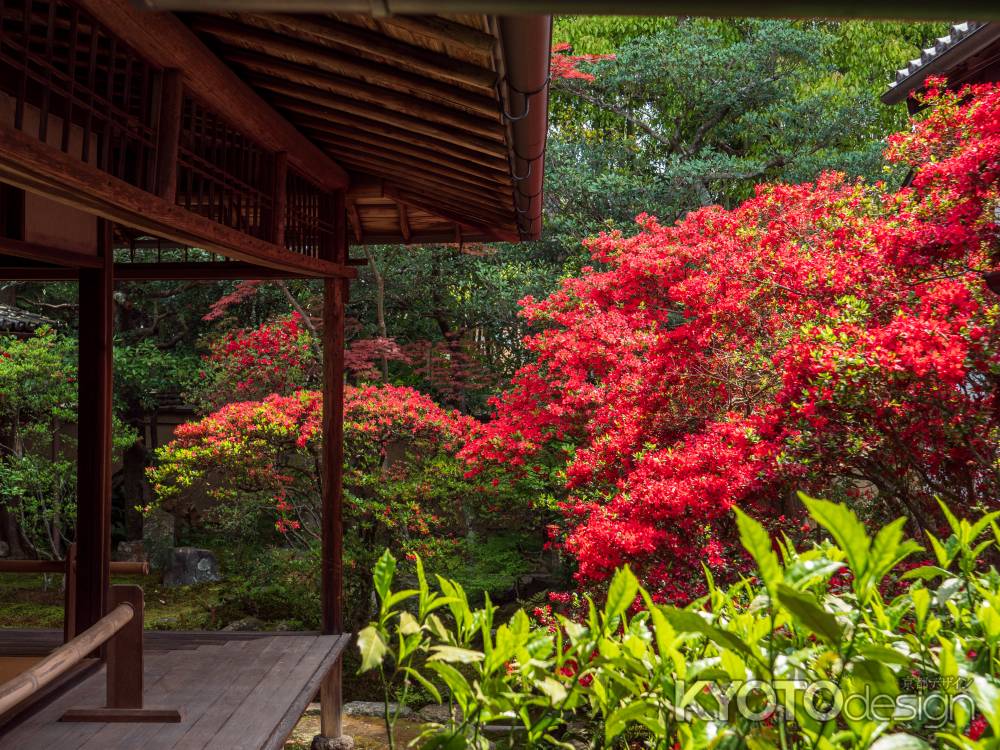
x,y
168,133
384,77
294,78
47,254
359,230
94,381
38,273
37,167
404,221
460,220
381,48
166,42
229,271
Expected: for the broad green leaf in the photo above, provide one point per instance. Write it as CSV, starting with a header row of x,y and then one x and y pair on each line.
x,y
372,648
758,543
925,573
876,675
986,694
621,593
692,622
552,688
620,718
408,624
844,527
885,655
458,686
429,686
882,556
953,522
980,526
455,654
943,558
808,611
385,571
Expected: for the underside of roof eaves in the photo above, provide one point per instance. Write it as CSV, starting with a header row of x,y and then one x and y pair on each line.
x,y
412,107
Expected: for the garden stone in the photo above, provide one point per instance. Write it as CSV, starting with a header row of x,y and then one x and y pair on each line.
x,y
245,625
191,565
131,551
158,538
344,742
435,713
376,709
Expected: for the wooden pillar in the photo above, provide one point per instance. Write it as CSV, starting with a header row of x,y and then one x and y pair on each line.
x,y
125,662
330,702
93,520
168,134
335,293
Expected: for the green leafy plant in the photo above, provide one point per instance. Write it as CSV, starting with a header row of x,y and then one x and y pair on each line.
x,y
844,645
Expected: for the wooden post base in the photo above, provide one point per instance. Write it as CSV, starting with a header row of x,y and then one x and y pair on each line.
x,y
123,715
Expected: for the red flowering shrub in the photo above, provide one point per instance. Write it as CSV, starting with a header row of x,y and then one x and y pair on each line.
x,y
249,364
255,461
834,337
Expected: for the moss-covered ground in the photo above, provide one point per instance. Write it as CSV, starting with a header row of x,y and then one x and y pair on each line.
x,y
30,601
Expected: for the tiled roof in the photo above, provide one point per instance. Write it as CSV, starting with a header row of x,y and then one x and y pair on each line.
x,y
15,320
965,39
958,32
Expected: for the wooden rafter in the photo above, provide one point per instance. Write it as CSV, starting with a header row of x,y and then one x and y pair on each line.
x,y
446,194
323,58
444,31
397,163
326,31
338,137
347,126
336,92
409,199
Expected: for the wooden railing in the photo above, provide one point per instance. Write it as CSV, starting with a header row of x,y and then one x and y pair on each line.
x,y
64,658
67,568
120,633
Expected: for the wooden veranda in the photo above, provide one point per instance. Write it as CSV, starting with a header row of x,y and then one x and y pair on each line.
x,y
147,145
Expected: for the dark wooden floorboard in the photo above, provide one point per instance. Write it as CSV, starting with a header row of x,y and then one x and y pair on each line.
x,y
234,690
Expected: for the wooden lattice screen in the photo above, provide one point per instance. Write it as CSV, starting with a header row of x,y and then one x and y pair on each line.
x,y
310,226
222,174
71,84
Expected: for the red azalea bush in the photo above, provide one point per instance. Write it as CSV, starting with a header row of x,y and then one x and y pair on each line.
x,y
256,461
253,363
250,470
834,337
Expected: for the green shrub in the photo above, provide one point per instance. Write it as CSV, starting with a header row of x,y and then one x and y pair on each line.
x,y
845,645
276,585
